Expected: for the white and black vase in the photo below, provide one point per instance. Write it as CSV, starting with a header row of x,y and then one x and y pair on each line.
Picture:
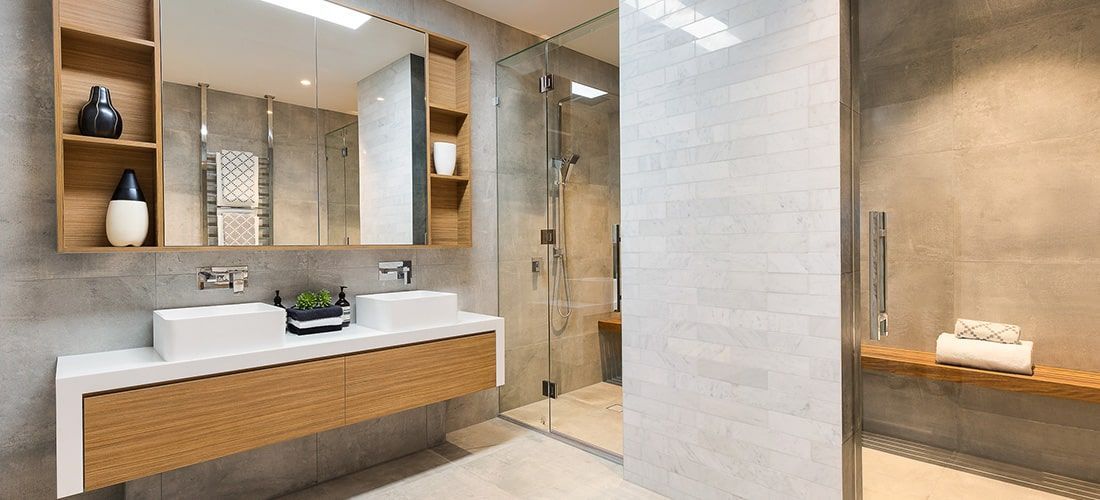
x,y
98,117
127,213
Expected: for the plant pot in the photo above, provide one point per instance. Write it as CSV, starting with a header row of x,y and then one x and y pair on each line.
x,y
127,213
310,321
99,118
444,154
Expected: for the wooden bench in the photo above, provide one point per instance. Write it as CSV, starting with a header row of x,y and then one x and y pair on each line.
x,y
1047,381
611,325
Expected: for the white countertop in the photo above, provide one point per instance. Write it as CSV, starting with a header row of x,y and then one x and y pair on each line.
x,y
82,374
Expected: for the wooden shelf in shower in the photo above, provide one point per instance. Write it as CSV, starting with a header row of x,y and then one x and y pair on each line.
x,y
1047,381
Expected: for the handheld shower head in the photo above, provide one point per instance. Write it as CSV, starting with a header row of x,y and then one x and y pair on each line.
x,y
567,163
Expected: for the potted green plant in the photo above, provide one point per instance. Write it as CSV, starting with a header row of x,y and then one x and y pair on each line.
x,y
313,312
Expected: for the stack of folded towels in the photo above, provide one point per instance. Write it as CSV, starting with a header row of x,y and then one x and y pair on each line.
x,y
310,321
985,345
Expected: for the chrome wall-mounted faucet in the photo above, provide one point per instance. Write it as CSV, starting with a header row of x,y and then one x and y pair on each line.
x,y
232,277
396,270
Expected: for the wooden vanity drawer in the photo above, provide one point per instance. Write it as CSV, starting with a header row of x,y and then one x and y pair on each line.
x,y
135,433
391,380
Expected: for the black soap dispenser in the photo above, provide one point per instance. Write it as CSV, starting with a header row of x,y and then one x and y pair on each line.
x,y
278,300
345,306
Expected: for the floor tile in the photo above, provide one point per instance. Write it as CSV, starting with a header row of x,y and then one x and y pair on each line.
x,y
591,414
490,460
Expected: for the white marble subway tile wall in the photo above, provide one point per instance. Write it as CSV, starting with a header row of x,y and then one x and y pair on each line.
x,y
731,169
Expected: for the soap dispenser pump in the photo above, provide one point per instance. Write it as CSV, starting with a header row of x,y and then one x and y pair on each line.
x,y
345,306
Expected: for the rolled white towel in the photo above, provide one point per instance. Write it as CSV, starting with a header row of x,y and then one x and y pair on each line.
x,y
335,320
1012,358
984,330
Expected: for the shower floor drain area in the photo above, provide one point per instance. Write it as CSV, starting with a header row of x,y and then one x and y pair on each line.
x,y
616,408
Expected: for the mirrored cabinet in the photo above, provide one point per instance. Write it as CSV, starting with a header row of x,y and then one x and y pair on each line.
x,y
255,124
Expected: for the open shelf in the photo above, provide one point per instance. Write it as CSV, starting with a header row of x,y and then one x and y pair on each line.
x,y
121,19
90,174
446,112
127,72
93,36
444,128
109,143
450,198
111,43
449,178
450,214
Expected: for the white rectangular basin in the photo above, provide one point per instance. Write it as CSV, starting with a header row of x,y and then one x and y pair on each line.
x,y
404,311
204,332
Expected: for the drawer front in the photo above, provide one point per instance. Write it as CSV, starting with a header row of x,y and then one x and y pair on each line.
x,y
135,433
391,380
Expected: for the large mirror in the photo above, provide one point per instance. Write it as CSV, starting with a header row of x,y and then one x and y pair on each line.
x,y
291,123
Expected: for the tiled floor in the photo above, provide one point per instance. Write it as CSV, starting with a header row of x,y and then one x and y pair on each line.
x,y
493,459
591,414
498,459
890,477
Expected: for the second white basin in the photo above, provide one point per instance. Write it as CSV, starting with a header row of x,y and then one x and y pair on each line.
x,y
403,311
203,332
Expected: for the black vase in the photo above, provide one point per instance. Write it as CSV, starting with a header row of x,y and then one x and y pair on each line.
x,y
98,117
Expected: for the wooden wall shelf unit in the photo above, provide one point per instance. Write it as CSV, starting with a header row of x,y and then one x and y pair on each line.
x,y
113,43
450,198
1047,381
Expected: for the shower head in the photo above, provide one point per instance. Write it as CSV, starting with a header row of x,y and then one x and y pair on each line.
x,y
567,163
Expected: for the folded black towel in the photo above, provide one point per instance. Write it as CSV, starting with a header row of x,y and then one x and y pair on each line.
x,y
312,314
309,331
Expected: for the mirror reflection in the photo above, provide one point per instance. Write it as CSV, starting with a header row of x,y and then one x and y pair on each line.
x,y
290,128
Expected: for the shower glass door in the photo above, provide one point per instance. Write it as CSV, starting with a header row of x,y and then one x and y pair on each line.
x,y
582,112
523,261
558,202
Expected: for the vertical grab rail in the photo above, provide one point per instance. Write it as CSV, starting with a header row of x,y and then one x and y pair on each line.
x,y
876,272
616,265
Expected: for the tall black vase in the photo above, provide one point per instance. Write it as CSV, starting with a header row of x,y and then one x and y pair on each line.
x,y
99,117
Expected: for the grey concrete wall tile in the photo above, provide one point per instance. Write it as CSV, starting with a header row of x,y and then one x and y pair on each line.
x,y
261,473
435,416
1038,445
1054,304
37,335
358,446
525,370
464,411
146,488
181,290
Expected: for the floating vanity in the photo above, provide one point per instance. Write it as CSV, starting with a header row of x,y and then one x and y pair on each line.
x,y
127,414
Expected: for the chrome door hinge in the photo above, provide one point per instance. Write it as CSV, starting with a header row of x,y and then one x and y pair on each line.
x,y
546,83
496,100
547,236
549,389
